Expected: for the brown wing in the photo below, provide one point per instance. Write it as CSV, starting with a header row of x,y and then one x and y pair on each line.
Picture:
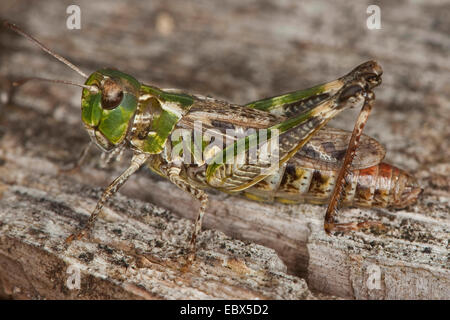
x,y
220,115
326,149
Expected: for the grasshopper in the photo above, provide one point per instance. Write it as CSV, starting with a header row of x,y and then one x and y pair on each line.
x,y
314,163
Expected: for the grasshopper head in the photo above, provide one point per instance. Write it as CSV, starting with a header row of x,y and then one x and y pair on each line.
x,y
108,103
108,112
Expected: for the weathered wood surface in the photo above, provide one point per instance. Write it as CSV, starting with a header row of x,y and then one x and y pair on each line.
x,y
240,52
140,253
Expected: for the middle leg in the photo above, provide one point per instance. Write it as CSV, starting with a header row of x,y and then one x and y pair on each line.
x,y
174,176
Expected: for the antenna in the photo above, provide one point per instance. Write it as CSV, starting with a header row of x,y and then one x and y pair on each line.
x,y
43,47
20,82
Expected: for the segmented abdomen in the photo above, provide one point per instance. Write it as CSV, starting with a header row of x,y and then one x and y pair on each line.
x,y
382,185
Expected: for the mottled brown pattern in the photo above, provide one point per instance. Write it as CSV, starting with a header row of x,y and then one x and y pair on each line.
x,y
296,108
208,110
319,183
327,147
148,109
378,186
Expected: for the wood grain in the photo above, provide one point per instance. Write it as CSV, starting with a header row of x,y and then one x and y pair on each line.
x,y
238,51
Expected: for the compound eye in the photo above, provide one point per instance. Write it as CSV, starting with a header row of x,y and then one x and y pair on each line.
x,y
112,94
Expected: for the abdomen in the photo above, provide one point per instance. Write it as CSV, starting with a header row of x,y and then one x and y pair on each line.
x,y
382,185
